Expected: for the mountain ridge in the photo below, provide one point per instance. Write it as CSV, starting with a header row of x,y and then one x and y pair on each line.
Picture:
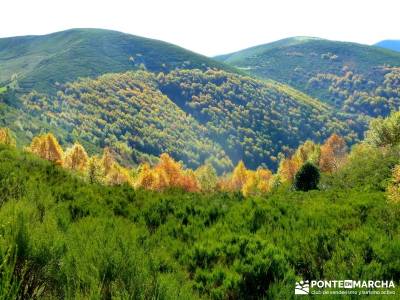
x,y
42,61
236,116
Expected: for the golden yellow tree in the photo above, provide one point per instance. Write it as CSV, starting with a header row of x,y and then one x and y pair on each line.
x,y
257,182
264,180
6,137
188,181
161,179
76,158
118,175
147,179
333,154
239,176
152,179
287,169
171,169
224,183
250,185
47,147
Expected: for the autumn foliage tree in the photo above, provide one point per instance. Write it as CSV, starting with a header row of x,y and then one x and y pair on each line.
x,y
6,137
257,182
168,173
188,181
265,180
333,154
288,168
147,178
307,152
114,173
239,176
47,147
118,175
76,158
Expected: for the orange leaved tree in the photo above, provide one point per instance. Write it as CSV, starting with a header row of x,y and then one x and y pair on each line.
x,y
333,154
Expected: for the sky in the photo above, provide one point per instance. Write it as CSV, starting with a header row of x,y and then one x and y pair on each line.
x,y
210,27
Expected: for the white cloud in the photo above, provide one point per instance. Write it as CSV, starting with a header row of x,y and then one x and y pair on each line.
x,y
209,27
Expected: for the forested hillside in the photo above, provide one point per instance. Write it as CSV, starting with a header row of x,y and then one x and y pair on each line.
x,y
196,116
42,62
255,120
355,78
127,111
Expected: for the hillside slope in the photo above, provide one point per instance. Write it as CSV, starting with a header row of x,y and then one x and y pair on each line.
x,y
194,115
40,62
127,111
355,78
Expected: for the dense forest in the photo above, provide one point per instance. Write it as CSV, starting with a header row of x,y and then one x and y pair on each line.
x,y
127,111
196,116
78,227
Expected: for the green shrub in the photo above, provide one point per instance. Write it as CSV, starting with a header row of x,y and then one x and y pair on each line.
x,y
75,240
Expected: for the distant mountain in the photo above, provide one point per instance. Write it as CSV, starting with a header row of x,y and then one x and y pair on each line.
x,y
40,62
354,78
389,44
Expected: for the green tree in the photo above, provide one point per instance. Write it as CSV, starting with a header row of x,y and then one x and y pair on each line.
x,y
95,170
207,177
384,132
307,178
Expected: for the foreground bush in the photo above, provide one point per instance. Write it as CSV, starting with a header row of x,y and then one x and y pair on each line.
x,y
81,240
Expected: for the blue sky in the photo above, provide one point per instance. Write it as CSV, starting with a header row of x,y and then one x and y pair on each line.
x,y
210,27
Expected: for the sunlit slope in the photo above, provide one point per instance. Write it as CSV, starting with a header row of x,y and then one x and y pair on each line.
x,y
355,78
